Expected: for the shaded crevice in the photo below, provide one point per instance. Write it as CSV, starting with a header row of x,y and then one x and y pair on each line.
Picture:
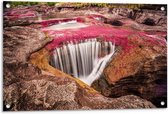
x,y
149,22
114,22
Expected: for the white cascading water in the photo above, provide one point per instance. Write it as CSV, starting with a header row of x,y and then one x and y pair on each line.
x,y
85,60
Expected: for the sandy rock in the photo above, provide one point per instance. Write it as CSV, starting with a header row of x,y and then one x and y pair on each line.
x,y
20,42
53,93
151,17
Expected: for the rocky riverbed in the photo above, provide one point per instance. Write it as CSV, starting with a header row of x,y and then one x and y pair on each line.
x,y
136,76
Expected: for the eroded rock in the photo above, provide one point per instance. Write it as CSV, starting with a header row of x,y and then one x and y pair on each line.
x,y
53,93
151,17
143,73
30,83
26,87
20,42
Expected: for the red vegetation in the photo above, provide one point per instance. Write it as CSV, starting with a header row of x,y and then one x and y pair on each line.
x,y
20,13
119,36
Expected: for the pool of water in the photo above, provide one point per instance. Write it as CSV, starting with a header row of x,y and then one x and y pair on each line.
x,y
66,25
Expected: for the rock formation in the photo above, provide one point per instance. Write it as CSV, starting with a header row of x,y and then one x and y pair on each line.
x,y
26,87
135,78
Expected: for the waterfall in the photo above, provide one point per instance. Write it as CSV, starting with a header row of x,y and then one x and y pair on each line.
x,y
85,60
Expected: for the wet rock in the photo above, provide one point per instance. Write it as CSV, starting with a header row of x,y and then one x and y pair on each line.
x,y
19,16
30,83
143,73
25,16
30,86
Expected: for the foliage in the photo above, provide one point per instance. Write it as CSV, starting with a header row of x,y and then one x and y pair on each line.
x,y
15,4
110,5
79,5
